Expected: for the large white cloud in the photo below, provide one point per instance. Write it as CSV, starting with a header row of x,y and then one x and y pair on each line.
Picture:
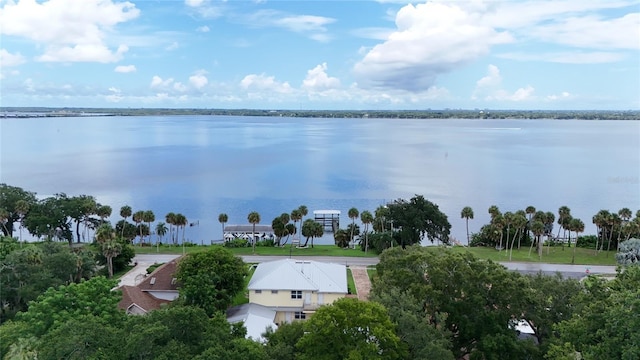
x,y
262,82
8,59
430,39
70,31
198,81
318,80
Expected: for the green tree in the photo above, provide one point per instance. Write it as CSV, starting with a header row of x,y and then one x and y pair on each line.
x,y
10,196
103,212
311,230
170,219
296,216
210,279
366,218
281,343
418,218
161,231
22,208
149,217
181,222
578,226
67,302
279,226
138,218
125,212
223,218
475,300
467,213
49,217
353,215
253,218
303,212
350,329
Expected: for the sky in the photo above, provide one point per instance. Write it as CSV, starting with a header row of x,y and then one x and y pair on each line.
x,y
321,55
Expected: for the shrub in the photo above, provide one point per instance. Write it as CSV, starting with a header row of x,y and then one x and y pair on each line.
x,y
236,243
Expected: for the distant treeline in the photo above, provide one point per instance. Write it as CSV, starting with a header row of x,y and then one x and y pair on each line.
x,y
379,114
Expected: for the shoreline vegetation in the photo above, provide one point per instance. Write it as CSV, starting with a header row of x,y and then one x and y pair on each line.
x,y
556,255
36,112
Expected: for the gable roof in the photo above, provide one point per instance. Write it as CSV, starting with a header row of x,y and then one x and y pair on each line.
x,y
162,279
133,296
256,318
291,274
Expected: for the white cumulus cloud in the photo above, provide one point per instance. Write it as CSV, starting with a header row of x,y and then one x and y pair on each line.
x,y
157,82
198,81
489,88
260,82
430,39
125,69
8,59
318,80
203,29
69,31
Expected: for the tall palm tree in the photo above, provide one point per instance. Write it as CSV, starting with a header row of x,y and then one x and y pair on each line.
x,y
303,212
296,216
103,212
549,219
149,217
161,230
508,221
563,213
537,228
381,214
578,226
353,215
109,247
284,219
170,219
494,211
181,222
520,223
253,218
366,217
22,208
125,212
467,213
223,218
497,220
138,217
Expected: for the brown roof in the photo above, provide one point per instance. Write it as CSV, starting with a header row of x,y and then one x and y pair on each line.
x,y
162,279
133,295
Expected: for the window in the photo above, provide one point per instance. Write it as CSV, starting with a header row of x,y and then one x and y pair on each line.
x,y
258,291
299,315
274,291
296,294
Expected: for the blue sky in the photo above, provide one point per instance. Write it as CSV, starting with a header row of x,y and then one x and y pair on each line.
x,y
561,54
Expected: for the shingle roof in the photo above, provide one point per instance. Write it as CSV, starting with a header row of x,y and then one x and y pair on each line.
x,y
133,295
162,279
291,274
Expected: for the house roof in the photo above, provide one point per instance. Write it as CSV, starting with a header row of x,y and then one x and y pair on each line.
x,y
134,296
256,319
162,279
248,228
291,274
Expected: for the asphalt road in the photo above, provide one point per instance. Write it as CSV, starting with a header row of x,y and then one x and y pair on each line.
x,y
568,271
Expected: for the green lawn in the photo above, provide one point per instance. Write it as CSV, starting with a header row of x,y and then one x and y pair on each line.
x,y
118,274
351,285
318,250
556,255
373,273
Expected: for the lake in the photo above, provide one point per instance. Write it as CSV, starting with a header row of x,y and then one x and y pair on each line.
x,y
204,165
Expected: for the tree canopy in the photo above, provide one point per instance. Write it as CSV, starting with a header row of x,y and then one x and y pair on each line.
x,y
210,279
418,218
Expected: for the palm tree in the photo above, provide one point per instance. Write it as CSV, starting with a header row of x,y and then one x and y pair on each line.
x,y
494,211
22,208
498,221
170,218
138,217
537,228
563,213
303,212
366,217
578,226
296,216
508,220
110,249
253,218
353,215
161,230
103,212
149,217
467,213
181,222
223,218
549,218
519,222
125,212
381,214
284,219
4,216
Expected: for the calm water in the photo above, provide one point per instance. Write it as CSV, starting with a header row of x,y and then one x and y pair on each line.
x,y
202,166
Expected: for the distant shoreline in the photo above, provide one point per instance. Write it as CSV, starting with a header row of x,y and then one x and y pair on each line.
x,y
36,112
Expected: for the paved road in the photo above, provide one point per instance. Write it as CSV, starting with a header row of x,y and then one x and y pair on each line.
x,y
573,271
